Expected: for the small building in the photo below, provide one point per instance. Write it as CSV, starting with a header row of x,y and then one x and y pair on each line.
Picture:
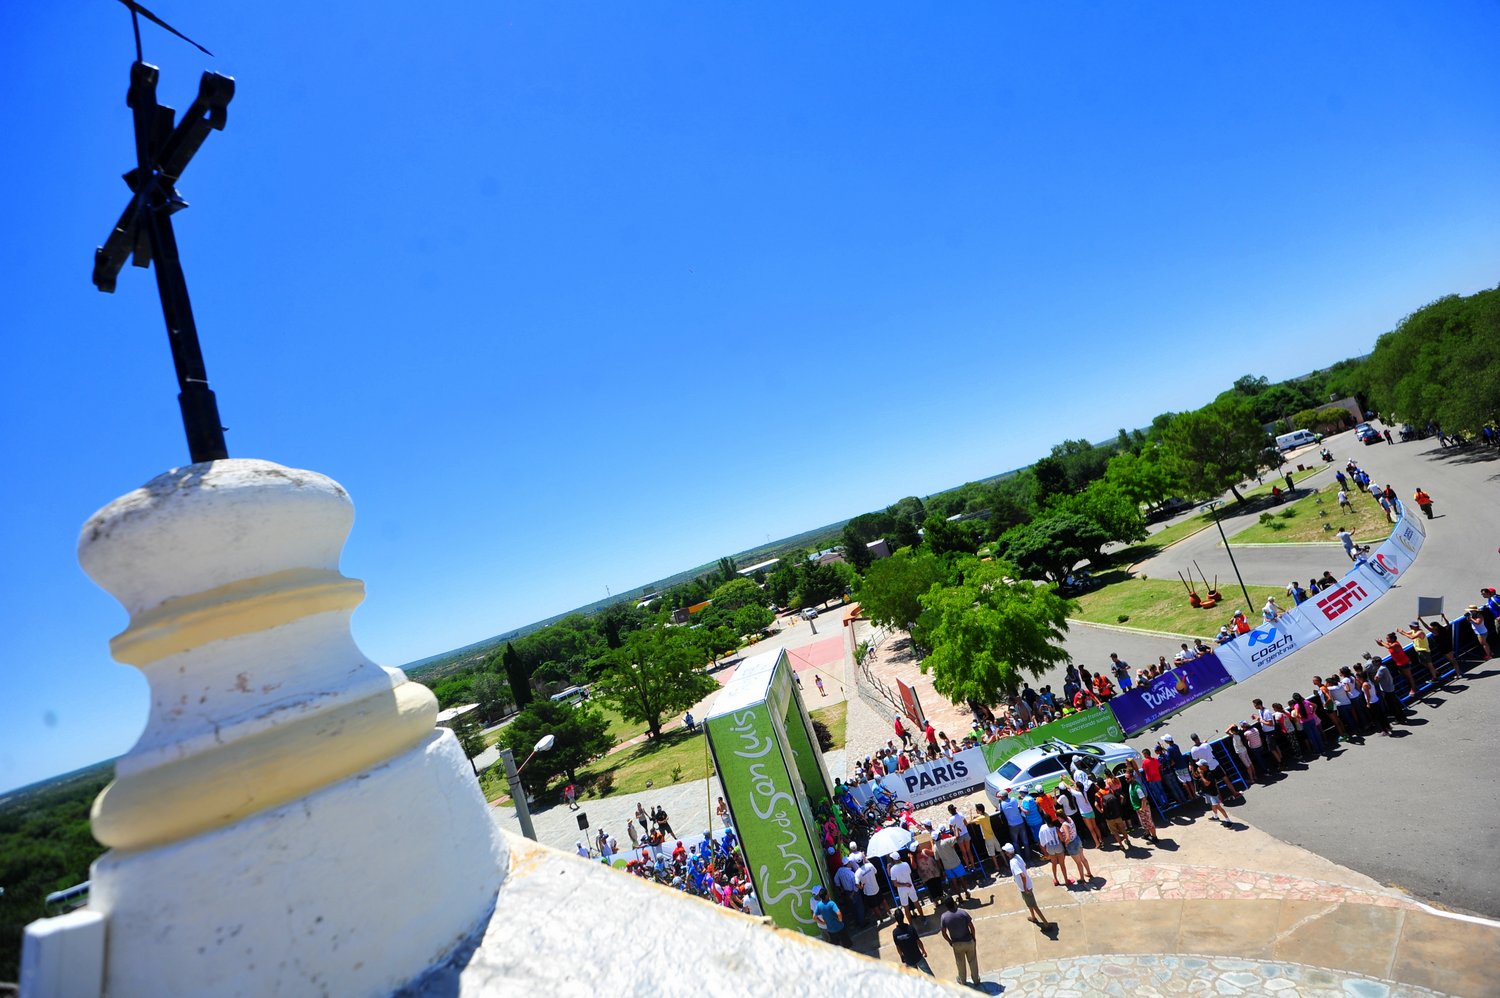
x,y
449,718
764,566
879,549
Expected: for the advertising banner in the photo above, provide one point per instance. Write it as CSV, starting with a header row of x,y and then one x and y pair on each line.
x,y
909,702
1331,608
1097,724
763,795
1269,643
1143,706
944,779
761,743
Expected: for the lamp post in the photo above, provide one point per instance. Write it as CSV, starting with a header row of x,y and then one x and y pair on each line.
x,y
518,792
1213,510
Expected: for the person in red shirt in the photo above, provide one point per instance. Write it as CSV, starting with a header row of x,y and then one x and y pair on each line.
x,y
902,733
1151,770
1102,688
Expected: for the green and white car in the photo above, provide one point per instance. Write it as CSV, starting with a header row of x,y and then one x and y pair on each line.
x,y
1043,767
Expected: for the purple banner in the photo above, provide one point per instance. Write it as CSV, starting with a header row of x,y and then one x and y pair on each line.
x,y
1143,706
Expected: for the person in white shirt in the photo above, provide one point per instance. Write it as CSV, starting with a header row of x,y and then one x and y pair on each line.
x,y
875,901
1270,611
752,904
1022,877
900,875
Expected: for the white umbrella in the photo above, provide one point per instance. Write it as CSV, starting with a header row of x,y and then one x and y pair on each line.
x,y
888,841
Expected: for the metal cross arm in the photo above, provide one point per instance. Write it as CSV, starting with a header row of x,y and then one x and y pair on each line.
x,y
144,234
163,153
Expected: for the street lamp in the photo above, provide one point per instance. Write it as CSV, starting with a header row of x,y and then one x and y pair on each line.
x,y
513,777
1213,510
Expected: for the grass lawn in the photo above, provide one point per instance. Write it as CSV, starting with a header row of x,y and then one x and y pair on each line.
x,y
1300,522
653,761
1186,527
1161,605
620,730
836,717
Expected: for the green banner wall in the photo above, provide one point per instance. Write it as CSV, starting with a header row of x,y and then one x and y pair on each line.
x,y
759,734
1097,724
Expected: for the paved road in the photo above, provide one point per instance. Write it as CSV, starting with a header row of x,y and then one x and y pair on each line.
x,y
1418,810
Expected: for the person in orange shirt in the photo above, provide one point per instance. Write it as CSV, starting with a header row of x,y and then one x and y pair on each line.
x,y
1241,625
1049,804
1102,688
1424,501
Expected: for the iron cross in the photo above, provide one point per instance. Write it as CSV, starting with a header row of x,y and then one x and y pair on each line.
x,y
144,233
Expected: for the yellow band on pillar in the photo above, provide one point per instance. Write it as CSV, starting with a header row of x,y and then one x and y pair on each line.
x,y
211,789
232,610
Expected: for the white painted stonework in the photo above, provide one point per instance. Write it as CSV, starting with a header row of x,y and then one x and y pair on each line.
x,y
566,926
291,822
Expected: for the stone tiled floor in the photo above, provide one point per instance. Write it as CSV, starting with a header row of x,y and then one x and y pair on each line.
x,y
1150,882
1162,976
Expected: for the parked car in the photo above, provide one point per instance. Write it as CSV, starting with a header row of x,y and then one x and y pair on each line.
x,y
1367,434
1043,767
810,613
1168,509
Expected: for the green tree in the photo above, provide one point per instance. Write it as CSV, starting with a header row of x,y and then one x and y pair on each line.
x,y
986,636
581,734
1052,544
1442,363
1140,477
518,675
1051,479
490,692
946,536
855,551
751,620
781,585
470,737
656,673
1214,448
734,594
819,584
454,690
727,570
723,640
890,594
1118,516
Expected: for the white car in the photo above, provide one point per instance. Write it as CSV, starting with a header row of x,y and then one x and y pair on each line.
x,y
810,613
1043,767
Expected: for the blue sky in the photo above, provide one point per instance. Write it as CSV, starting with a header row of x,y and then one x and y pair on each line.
x,y
579,295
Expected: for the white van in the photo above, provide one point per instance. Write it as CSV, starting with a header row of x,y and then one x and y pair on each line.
x,y
573,694
1297,438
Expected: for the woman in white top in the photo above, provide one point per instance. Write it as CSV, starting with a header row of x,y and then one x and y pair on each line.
x,y
1052,848
1372,697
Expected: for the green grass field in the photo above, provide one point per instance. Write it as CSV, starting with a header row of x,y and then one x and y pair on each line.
x,y
1317,518
1188,526
1161,605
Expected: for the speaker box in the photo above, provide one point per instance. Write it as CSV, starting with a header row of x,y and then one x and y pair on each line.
x,y
583,821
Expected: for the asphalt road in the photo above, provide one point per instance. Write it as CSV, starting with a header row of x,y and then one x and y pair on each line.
x,y
1417,810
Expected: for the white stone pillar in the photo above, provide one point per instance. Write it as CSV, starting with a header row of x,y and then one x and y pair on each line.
x,y
290,822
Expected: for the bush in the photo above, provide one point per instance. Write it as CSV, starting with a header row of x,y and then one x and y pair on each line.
x,y
1122,618
676,773
825,737
1287,514
1267,519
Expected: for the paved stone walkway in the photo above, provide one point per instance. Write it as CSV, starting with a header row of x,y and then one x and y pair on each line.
x,y
1163,976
